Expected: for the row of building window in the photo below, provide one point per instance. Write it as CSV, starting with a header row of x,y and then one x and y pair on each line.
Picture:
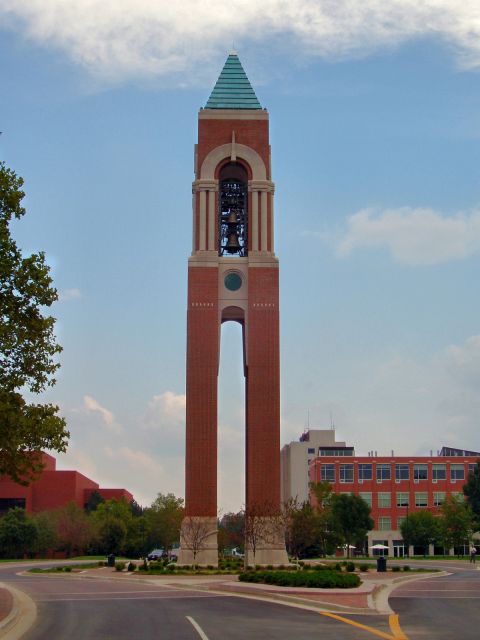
x,y
402,472
384,499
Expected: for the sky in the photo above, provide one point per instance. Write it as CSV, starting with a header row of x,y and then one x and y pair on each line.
x,y
375,132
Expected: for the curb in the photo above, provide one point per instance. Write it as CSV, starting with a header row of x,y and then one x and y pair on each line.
x,y
21,617
381,594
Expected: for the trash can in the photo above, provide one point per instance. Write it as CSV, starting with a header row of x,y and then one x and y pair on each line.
x,y
381,564
111,560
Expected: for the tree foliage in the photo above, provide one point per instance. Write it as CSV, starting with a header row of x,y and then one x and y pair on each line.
x,y
472,492
455,527
351,518
420,529
28,347
164,519
18,533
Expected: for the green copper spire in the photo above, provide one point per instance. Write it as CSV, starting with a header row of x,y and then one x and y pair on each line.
x,y
233,89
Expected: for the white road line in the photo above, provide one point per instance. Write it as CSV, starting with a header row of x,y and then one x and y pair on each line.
x,y
95,599
197,628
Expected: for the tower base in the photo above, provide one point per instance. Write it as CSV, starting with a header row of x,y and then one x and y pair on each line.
x,y
265,542
198,541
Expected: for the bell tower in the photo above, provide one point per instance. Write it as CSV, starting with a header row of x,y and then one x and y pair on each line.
x,y
232,276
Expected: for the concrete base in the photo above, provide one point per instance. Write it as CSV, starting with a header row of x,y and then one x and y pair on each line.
x,y
268,534
198,541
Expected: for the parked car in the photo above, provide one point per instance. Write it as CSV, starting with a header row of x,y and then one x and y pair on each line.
x,y
236,553
156,554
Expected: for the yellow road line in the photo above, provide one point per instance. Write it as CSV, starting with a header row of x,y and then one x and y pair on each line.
x,y
375,632
395,627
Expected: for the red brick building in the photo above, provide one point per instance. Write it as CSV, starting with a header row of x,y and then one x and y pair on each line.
x,y
53,489
394,486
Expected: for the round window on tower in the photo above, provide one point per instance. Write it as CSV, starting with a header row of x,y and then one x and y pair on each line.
x,y
233,281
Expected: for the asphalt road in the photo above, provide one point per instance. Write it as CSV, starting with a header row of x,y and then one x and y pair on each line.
x,y
73,608
443,608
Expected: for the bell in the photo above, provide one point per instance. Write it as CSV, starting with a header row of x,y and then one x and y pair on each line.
x,y
233,244
232,219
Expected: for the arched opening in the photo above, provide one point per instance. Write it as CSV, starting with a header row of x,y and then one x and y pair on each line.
x,y
233,198
231,415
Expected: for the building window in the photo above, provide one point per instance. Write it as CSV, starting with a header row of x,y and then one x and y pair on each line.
x,y
421,499
384,523
403,499
457,472
310,450
384,500
383,472
346,473
328,472
439,472
456,494
367,496
330,451
364,472
472,467
438,498
420,471
400,519
11,503
402,472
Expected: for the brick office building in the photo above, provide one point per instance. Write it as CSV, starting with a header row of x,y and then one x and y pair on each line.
x,y
53,489
393,486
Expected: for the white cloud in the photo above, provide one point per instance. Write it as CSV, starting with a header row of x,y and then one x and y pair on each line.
x,y
108,419
166,411
119,39
413,236
69,294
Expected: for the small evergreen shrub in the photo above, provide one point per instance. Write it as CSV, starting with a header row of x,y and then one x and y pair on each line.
x,y
119,566
395,568
67,569
131,566
363,567
350,567
406,568
321,579
338,566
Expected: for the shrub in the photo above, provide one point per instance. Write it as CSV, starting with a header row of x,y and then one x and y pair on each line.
x,y
119,566
406,568
321,579
396,568
338,566
131,566
67,569
350,567
363,567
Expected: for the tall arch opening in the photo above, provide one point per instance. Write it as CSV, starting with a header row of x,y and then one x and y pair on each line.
x,y
231,413
233,198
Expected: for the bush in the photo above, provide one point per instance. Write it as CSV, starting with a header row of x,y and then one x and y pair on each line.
x,y
67,569
363,567
406,568
119,566
320,579
350,567
396,568
338,566
131,566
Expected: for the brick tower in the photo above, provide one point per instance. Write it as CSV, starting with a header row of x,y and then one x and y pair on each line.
x,y
232,276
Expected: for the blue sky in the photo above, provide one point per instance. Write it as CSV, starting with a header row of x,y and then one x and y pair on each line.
x,y
375,131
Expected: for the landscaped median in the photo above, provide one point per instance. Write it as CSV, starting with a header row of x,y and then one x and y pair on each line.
x,y
315,579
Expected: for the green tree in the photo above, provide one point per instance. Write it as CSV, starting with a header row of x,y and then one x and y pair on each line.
x,y
472,492
455,523
93,501
28,348
164,519
113,535
420,529
303,531
18,533
328,535
351,518
47,538
116,526
231,531
74,529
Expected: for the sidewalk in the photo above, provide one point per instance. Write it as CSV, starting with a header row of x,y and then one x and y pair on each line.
x,y
6,603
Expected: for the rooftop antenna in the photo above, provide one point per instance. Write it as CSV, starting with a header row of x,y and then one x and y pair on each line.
x,y
332,423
